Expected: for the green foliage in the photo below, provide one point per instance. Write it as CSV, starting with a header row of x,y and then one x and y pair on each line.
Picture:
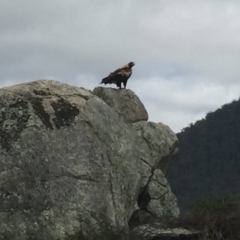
x,y
208,161
216,218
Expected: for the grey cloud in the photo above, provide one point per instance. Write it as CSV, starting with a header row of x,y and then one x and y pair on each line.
x,y
186,52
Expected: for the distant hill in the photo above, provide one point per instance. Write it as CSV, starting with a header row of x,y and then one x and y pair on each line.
x,y
208,162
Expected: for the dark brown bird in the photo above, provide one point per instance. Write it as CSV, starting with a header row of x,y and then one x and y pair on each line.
x,y
119,76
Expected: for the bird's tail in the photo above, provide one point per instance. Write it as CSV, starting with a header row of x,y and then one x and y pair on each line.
x,y
105,80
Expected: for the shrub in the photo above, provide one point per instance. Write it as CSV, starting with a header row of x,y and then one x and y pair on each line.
x,y
216,217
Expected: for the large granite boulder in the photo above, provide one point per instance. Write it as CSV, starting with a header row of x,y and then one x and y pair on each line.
x,y
71,162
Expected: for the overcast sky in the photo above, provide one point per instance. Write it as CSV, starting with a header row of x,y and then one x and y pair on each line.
x,y
187,52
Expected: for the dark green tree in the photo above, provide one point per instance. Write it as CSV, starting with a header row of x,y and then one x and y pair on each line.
x,y
208,162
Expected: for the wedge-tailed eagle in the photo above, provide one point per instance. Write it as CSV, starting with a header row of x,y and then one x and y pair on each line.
x,y
119,76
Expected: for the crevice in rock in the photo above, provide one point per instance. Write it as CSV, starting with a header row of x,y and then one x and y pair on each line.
x,y
134,220
159,183
78,177
160,197
146,162
146,140
139,120
69,175
111,182
139,217
143,198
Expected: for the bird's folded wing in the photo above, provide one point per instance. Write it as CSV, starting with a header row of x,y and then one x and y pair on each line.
x,y
118,71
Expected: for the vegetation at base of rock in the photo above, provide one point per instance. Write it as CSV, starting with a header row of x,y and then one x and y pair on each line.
x,y
208,160
215,217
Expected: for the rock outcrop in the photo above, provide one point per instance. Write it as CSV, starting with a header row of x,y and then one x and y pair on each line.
x,y
73,160
126,103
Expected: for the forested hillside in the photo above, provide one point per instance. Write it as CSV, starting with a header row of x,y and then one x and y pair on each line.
x,y
208,161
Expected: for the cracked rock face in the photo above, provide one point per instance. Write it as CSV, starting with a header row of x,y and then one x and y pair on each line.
x,y
119,99
70,162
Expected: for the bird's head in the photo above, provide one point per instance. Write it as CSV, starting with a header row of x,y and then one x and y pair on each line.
x,y
131,64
